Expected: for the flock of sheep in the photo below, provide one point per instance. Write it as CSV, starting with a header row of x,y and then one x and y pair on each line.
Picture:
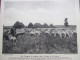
x,y
40,40
61,32
55,32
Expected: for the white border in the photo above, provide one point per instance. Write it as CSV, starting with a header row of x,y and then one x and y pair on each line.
x,y
72,56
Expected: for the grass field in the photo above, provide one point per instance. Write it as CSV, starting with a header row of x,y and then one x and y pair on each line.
x,y
40,44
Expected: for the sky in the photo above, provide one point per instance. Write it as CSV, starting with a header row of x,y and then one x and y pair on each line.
x,y
50,12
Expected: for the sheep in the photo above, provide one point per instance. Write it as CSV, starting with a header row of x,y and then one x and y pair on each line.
x,y
47,33
37,32
12,38
69,33
59,33
75,33
32,33
53,33
20,31
5,34
62,34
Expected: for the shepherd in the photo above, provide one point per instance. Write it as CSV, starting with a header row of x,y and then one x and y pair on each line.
x,y
13,31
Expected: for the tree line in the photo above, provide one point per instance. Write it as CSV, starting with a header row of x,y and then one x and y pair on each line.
x,y
31,25
37,25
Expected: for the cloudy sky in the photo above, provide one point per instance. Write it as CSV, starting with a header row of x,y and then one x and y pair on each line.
x,y
50,12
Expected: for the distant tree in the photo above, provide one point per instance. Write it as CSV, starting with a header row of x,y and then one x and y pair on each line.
x,y
30,25
45,25
66,22
18,25
51,26
37,25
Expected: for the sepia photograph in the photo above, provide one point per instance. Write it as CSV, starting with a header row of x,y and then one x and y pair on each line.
x,y
39,27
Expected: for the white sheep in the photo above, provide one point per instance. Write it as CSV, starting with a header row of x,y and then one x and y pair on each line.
x,y
12,38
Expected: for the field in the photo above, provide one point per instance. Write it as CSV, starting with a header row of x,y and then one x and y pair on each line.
x,y
41,44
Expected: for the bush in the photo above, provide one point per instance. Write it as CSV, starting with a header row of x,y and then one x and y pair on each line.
x,y
18,25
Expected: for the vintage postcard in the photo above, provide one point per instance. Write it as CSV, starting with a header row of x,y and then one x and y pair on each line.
x,y
40,30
